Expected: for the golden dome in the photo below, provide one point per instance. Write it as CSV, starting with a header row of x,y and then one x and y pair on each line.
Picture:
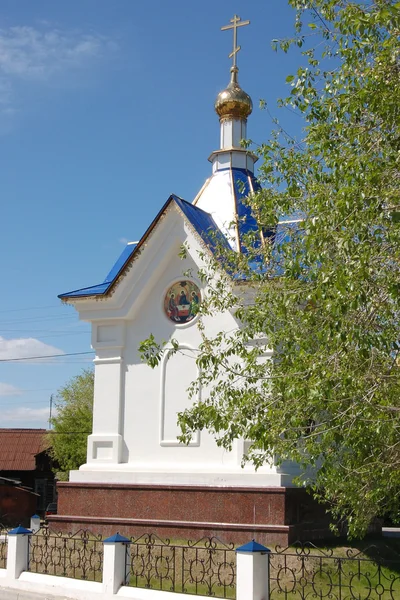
x,y
233,102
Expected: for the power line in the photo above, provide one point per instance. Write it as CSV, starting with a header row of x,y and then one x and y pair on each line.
x,y
35,431
68,334
10,310
23,390
36,404
28,330
46,356
69,432
40,319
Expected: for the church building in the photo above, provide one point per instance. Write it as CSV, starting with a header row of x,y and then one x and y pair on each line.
x,y
138,477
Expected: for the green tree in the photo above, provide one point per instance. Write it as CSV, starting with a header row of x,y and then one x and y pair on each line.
x,y
328,301
72,423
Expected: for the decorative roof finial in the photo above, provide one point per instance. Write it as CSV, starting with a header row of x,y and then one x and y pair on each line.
x,y
236,22
233,102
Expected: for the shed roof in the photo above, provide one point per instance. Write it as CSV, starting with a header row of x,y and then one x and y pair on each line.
x,y
19,447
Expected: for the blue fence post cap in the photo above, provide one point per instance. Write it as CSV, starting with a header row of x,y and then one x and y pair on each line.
x,y
35,517
19,531
253,546
117,538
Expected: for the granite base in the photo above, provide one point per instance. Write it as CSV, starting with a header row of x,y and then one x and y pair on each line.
x,y
233,514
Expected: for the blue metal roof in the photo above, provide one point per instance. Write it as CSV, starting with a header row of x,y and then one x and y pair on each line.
x,y
93,290
284,234
102,288
245,183
202,222
122,260
117,538
205,226
19,531
253,546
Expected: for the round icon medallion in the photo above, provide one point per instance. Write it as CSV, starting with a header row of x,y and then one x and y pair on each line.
x,y
181,302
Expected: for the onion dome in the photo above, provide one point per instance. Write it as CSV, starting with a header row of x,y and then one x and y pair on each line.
x,y
233,102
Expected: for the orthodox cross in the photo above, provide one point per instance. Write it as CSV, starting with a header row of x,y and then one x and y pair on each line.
x,y
236,22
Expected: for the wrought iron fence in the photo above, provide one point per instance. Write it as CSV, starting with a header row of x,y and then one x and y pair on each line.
x,y
205,568
3,547
208,567
307,572
78,555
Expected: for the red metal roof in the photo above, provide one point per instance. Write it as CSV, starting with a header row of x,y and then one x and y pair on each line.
x,y
18,448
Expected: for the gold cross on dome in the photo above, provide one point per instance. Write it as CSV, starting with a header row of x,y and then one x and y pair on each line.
x,y
236,22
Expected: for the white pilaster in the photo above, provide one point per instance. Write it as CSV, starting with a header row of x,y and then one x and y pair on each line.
x,y
105,443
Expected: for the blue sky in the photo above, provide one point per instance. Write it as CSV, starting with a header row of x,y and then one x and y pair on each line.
x,y
106,108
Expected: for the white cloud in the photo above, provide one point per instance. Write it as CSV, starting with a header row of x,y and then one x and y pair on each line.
x,y
40,54
25,347
25,415
29,53
6,389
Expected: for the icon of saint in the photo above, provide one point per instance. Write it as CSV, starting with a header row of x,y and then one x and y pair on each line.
x,y
183,299
194,304
172,309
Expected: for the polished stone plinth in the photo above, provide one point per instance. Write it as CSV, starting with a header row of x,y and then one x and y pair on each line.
x,y
234,514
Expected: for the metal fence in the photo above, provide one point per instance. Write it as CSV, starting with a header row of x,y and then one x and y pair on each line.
x,y
304,571
3,547
207,567
79,555
204,568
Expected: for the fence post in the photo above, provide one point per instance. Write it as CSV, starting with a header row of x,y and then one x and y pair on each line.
x,y
17,551
115,557
35,523
252,572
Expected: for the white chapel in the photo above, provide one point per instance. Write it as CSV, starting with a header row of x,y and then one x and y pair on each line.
x,y
134,445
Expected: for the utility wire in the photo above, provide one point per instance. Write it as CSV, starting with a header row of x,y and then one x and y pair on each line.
x,y
69,432
46,356
40,319
29,330
9,310
34,404
35,431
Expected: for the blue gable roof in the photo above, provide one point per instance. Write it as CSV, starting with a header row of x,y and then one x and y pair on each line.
x,y
122,260
202,222
205,226
102,288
